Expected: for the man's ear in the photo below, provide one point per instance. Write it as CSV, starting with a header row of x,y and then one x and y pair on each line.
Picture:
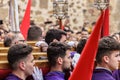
x,y
22,65
106,59
60,60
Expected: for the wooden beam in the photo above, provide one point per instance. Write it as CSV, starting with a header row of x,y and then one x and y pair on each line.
x,y
37,55
5,49
39,63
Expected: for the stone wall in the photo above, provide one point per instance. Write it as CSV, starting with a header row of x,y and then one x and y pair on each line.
x,y
80,12
115,16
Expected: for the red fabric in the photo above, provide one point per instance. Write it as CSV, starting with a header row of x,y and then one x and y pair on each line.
x,y
84,68
25,24
62,27
4,73
45,70
106,23
105,29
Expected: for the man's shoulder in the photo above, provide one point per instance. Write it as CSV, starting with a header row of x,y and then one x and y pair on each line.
x,y
12,77
54,76
101,74
116,74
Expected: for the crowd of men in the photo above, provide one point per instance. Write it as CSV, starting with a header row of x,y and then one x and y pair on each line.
x,y
63,48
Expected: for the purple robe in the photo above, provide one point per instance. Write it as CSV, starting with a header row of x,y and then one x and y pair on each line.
x,y
102,74
55,75
116,74
12,77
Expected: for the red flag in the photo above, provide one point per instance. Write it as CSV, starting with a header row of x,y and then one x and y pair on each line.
x,y
25,24
105,28
84,68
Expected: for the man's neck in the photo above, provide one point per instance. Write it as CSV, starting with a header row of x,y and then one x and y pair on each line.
x,y
56,68
19,74
103,66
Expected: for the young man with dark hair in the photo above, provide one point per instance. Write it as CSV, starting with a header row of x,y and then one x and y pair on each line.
x,y
84,34
21,61
107,59
54,35
34,33
59,59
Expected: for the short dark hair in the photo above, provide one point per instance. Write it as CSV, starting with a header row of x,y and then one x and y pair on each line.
x,y
55,50
54,34
34,33
16,53
81,45
7,41
106,45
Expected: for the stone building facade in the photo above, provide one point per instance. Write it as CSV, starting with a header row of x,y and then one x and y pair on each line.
x,y
80,12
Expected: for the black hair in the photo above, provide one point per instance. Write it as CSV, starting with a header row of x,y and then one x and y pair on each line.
x,y
81,45
34,33
54,34
55,50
